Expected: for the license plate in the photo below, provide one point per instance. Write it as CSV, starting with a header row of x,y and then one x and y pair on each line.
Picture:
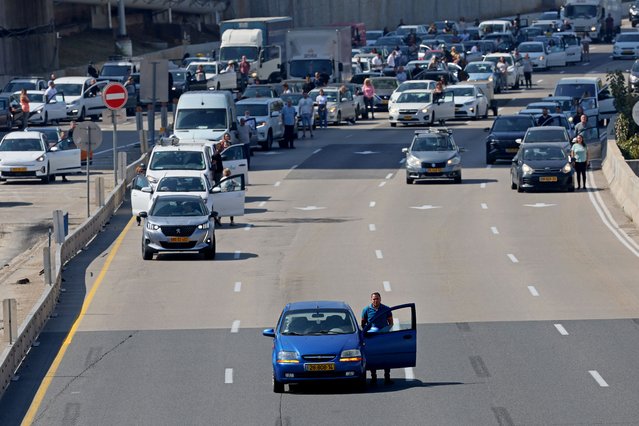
x,y
548,179
179,239
408,117
18,169
512,149
434,170
320,367
384,101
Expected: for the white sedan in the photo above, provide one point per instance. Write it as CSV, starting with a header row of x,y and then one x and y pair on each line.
x,y
27,155
423,107
470,101
45,112
411,85
626,46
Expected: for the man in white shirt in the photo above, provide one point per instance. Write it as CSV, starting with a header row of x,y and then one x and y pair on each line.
x,y
305,106
50,92
376,62
390,61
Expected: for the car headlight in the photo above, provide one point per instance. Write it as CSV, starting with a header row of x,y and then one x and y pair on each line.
x,y
287,357
542,57
527,169
490,78
152,226
425,110
261,123
413,161
205,225
392,110
351,355
633,78
254,74
152,179
454,161
593,29
332,109
567,168
41,158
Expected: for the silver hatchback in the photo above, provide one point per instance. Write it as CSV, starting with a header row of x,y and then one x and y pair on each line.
x,y
178,223
433,154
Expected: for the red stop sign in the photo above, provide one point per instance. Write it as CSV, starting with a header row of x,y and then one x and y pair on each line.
x,y
115,96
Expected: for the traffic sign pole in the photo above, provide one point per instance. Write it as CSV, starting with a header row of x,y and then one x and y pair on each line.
x,y
115,147
115,97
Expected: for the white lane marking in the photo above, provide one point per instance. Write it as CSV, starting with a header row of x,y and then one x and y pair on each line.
x,y
387,286
426,207
262,204
595,375
278,183
238,286
494,230
372,204
585,64
317,150
294,167
371,227
533,290
484,206
539,81
382,184
248,227
562,72
402,161
539,205
483,185
560,328
235,327
489,166
409,374
388,176
608,220
310,208
237,254
512,258
378,254
349,136
228,375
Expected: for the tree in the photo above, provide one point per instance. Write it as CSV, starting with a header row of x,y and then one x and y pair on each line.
x,y
625,127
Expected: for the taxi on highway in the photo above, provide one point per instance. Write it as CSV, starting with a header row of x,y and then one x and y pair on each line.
x,y
433,154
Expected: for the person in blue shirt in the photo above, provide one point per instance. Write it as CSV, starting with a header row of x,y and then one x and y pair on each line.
x,y
288,117
382,322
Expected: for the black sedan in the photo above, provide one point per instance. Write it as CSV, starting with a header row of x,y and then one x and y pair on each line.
x,y
501,141
541,166
10,111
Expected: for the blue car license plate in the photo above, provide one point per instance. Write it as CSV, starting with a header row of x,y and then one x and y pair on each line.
x,y
329,366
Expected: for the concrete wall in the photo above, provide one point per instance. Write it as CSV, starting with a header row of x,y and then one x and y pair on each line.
x,y
384,13
29,43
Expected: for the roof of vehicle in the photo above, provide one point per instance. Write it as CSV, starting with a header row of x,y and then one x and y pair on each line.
x,y
575,80
26,78
317,304
545,128
22,135
72,79
262,100
179,147
184,197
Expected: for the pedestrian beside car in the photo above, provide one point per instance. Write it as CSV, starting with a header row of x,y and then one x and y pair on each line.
x,y
216,159
50,92
317,80
305,106
401,75
544,119
581,127
377,63
140,171
321,100
576,119
390,60
24,105
285,89
51,78
92,70
244,132
581,158
199,73
368,90
227,185
308,84
288,118
245,68
528,69
376,310
610,27
585,46
502,67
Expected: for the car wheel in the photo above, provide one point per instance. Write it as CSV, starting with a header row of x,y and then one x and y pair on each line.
x,y
516,85
218,85
357,112
458,179
476,117
9,122
489,159
393,124
47,178
209,253
360,383
432,119
485,116
519,188
409,181
442,122
278,387
83,115
266,145
45,119
571,187
339,118
147,253
513,185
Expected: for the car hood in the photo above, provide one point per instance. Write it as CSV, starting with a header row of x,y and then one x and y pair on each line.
x,y
323,344
479,75
20,155
178,220
433,156
207,134
541,165
464,99
626,44
202,194
507,136
411,105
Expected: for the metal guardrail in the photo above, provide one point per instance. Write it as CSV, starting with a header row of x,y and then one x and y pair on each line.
x,y
12,356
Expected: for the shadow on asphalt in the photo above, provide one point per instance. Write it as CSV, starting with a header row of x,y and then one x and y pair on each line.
x,y
330,388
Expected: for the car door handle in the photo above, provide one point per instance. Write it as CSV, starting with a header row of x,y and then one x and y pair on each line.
x,y
241,165
407,337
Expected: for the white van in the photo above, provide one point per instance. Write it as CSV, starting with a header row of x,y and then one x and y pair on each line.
x,y
593,94
205,115
83,96
495,26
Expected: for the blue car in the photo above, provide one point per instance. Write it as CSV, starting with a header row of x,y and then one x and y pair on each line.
x,y
322,340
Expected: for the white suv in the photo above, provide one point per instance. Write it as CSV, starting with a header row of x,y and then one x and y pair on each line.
x,y
267,113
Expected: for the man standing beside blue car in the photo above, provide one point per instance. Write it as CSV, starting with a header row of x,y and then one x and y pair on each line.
x,y
381,322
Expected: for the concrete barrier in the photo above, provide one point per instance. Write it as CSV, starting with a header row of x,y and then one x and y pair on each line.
x,y
12,355
623,182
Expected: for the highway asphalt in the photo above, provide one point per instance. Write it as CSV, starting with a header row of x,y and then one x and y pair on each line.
x,y
527,304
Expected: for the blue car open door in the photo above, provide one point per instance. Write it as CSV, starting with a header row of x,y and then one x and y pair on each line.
x,y
394,346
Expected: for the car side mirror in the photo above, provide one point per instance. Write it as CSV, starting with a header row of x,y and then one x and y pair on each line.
x,y
275,114
216,190
54,149
143,214
515,160
147,189
372,330
486,129
462,149
214,214
268,332
405,150
518,141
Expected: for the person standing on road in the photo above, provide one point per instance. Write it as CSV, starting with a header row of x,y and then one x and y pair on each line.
x,y
92,71
581,127
502,67
24,105
383,321
227,185
610,26
308,84
321,100
579,154
245,68
305,106
50,92
288,117
528,69
244,132
140,171
377,63
216,158
585,47
369,97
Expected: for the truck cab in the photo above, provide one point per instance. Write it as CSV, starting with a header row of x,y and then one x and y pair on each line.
x,y
589,16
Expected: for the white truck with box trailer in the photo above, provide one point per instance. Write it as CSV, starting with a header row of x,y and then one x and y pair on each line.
x,y
323,50
261,40
589,16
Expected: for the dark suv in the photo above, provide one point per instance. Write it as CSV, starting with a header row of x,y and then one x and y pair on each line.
x,y
501,141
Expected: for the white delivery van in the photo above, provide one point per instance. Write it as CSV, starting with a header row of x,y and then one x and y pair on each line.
x,y
205,115
495,26
592,93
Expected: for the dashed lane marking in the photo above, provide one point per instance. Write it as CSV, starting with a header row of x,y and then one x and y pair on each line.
x,y
512,258
238,286
387,286
595,375
533,290
228,375
560,328
378,254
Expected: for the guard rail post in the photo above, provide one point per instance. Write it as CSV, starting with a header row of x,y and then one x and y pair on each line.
x,y
121,166
10,318
99,191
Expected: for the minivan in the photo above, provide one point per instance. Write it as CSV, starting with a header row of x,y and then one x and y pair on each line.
x,y
593,95
205,115
267,113
496,26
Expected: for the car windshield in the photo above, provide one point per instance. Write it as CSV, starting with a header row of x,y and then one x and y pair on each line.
x,y
331,95
495,59
384,83
21,145
544,154
317,322
389,41
235,53
210,118
294,97
178,75
512,124
623,37
571,40
207,68
175,208
575,90
546,135
413,85
531,47
583,11
254,110
478,68
16,86
461,91
115,71
258,92
177,160
181,184
303,67
69,89
546,16
415,98
432,143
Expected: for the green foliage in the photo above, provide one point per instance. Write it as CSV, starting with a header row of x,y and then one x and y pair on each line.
x,y
625,128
